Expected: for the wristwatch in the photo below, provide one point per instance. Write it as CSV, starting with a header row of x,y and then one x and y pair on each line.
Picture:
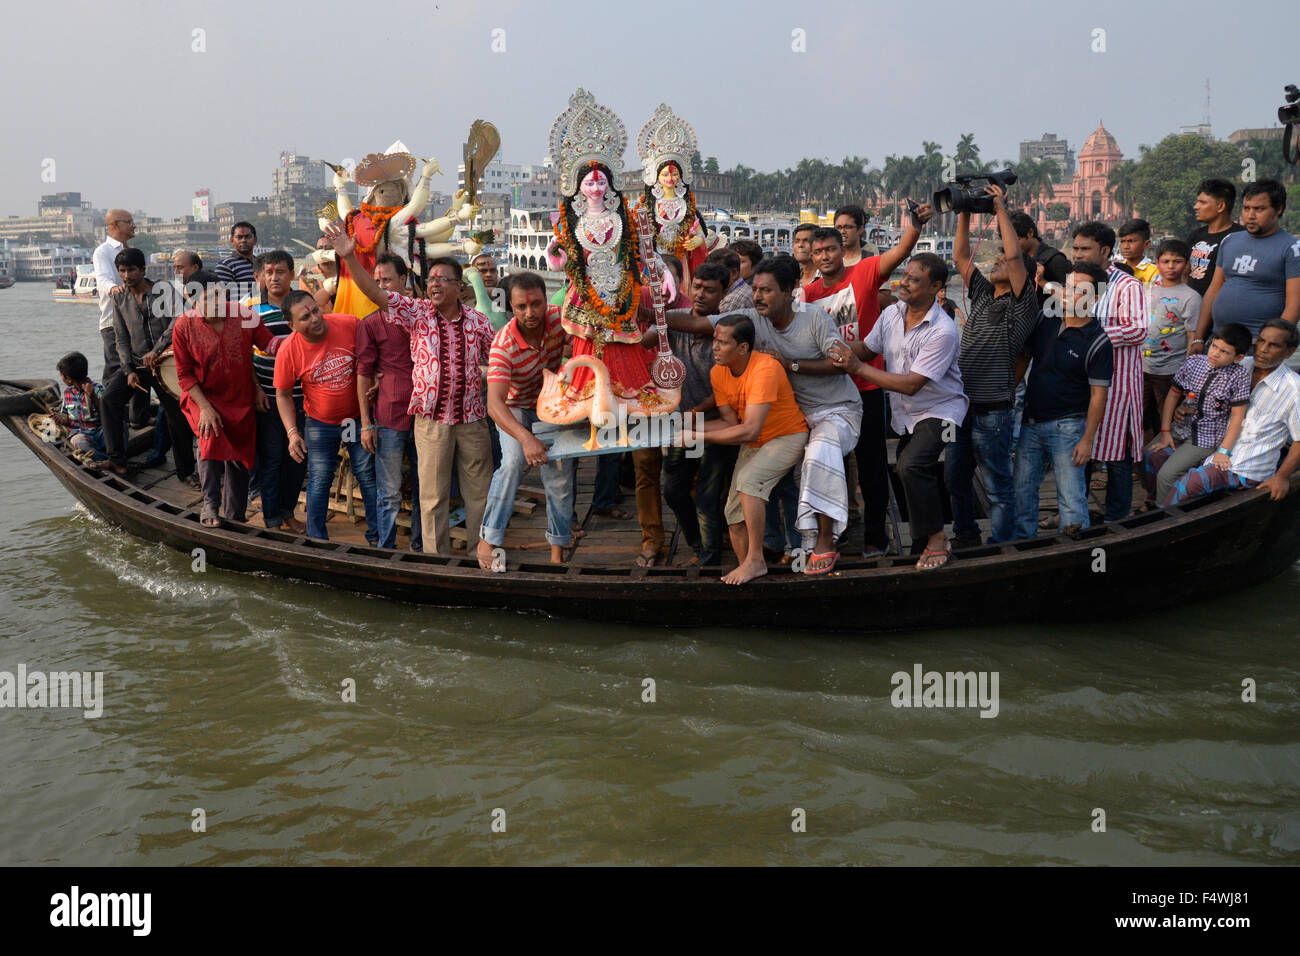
x,y
794,366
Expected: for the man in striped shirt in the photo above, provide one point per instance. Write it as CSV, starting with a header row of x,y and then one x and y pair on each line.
x,y
1121,310
237,269
528,344
1272,424
279,476
1003,313
448,344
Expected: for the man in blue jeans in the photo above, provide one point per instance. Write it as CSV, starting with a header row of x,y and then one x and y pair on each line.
x,y
387,425
1064,402
321,354
1003,311
529,344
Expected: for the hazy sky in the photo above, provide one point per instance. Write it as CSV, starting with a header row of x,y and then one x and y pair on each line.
x,y
115,94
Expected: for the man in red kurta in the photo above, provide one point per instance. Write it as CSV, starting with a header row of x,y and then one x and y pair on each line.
x,y
213,345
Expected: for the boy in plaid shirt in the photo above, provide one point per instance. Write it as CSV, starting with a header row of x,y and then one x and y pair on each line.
x,y
80,413
1220,385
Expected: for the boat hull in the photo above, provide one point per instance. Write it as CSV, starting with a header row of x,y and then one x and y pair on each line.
x,y
1216,545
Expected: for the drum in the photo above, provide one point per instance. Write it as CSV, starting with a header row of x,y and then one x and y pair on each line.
x,y
165,373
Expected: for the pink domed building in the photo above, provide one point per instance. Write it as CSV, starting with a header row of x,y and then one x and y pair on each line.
x,y
1088,192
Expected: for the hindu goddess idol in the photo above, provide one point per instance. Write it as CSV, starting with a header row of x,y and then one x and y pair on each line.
x,y
597,246
387,221
666,145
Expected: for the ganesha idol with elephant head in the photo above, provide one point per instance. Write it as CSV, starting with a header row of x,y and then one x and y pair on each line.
x,y
387,221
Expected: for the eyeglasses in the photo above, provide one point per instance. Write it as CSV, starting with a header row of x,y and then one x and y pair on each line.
x,y
443,280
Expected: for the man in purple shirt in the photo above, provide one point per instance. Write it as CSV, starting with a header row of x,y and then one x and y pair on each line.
x,y
387,427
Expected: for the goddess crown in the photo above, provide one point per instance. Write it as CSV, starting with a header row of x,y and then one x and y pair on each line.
x,y
666,137
584,133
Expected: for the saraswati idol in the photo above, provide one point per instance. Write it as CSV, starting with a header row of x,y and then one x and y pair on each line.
x,y
666,145
598,246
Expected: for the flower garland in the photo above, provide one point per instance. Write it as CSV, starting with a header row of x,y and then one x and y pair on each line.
x,y
689,221
379,216
628,297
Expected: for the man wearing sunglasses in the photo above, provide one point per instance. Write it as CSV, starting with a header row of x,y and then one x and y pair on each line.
x,y
450,343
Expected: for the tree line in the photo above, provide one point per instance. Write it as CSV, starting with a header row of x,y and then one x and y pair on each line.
x,y
1160,184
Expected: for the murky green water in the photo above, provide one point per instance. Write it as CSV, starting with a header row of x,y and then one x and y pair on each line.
x,y
223,692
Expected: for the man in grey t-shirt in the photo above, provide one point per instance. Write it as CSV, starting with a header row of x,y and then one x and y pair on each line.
x,y
1257,274
801,340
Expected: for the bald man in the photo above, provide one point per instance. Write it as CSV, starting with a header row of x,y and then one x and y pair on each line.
x,y
185,263
120,225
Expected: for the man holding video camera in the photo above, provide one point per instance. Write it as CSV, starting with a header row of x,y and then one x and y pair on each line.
x,y
1003,310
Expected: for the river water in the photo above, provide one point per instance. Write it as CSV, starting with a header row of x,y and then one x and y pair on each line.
x,y
223,693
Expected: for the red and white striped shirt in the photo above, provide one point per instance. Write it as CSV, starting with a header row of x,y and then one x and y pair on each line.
x,y
519,365
1122,313
446,353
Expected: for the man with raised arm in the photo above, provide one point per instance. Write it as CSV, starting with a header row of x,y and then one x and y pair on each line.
x,y
449,342
851,294
1003,311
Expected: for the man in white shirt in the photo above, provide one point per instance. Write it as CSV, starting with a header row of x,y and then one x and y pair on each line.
x,y
920,345
1272,424
121,230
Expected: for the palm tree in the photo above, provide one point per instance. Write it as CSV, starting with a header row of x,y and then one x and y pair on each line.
x,y
1122,186
1034,177
967,154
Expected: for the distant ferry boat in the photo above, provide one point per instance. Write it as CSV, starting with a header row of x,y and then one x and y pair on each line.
x,y
773,233
941,246
82,289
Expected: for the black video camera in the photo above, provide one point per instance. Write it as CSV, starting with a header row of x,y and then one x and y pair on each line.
x,y
1289,117
962,196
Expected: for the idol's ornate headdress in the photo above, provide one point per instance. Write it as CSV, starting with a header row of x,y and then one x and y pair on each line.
x,y
584,133
394,163
666,138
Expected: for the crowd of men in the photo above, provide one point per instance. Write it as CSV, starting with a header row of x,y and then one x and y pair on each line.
x,y
800,368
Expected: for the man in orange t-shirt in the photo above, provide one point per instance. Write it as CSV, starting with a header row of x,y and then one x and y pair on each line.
x,y
758,410
322,354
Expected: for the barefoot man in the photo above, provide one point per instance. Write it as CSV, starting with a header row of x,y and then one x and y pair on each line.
x,y
528,344
758,410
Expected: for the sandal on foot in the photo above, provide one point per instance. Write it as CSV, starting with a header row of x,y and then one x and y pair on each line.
x,y
618,514
210,521
814,557
945,552
647,559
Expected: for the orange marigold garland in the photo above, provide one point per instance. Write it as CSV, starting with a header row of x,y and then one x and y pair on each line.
x,y
379,216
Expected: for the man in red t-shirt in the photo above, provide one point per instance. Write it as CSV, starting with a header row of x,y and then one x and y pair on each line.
x,y
322,354
851,295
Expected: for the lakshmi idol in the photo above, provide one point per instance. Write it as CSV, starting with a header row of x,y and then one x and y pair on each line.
x,y
597,246
386,221
665,145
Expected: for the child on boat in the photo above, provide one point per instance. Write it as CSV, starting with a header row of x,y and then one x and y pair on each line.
x,y
1218,386
80,413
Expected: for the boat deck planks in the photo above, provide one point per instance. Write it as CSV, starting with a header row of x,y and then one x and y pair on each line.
x,y
606,540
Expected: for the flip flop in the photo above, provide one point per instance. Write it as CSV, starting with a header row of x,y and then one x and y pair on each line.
x,y
946,552
644,560
618,514
210,521
815,557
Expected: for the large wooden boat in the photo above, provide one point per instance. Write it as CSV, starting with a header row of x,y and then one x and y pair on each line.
x,y
1209,547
